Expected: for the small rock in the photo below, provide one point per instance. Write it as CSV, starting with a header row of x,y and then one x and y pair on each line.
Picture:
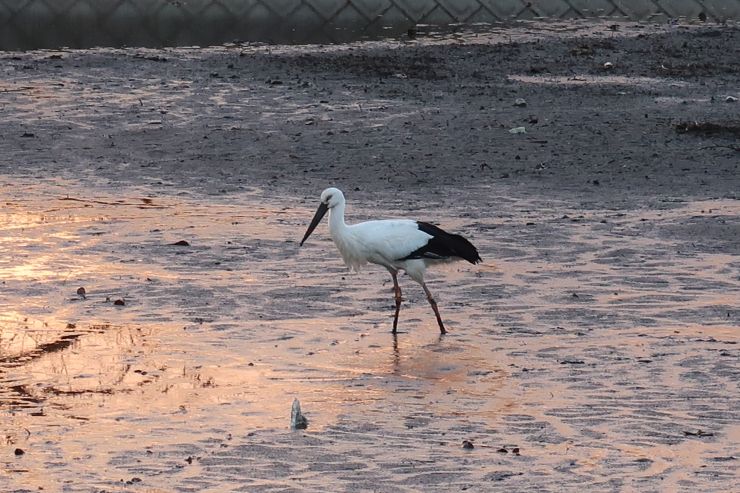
x,y
19,451
502,450
608,65
515,450
180,243
81,291
467,445
730,99
521,102
297,420
518,130
119,302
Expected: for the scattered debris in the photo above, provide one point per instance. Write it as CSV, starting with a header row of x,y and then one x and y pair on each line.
x,y
502,475
571,361
698,433
297,420
582,50
708,128
151,58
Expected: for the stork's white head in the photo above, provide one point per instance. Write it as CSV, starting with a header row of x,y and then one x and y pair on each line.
x,y
332,197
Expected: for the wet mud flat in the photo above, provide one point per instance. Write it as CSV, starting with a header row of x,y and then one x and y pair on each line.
x,y
596,347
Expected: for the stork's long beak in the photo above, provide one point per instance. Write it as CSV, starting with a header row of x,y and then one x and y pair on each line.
x,y
315,221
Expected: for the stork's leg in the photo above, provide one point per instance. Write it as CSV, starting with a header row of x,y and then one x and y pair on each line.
x,y
397,292
434,307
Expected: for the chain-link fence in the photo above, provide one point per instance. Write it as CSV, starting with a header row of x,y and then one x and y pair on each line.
x,y
28,24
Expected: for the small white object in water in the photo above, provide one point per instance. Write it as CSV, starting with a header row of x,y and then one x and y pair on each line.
x,y
731,99
608,66
521,102
297,420
518,130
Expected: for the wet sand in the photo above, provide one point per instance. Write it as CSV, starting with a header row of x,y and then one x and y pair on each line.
x,y
595,349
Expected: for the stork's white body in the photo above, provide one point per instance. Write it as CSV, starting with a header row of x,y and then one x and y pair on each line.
x,y
382,242
396,244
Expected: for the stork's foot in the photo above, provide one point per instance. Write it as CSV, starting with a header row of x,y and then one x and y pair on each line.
x,y
442,329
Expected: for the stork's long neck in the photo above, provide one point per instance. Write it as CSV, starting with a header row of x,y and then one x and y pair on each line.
x,y
337,225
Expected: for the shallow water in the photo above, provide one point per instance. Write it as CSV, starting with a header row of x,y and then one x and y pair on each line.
x,y
594,342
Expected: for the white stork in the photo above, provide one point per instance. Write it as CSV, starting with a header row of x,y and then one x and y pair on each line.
x,y
396,244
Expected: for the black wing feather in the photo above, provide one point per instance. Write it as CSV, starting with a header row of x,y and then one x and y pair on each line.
x,y
443,245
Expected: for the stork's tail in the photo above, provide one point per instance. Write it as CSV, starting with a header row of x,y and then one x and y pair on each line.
x,y
444,245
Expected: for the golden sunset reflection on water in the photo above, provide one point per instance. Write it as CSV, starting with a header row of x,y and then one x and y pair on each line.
x,y
84,373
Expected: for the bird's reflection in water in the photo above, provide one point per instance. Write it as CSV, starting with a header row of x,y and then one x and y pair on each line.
x,y
396,354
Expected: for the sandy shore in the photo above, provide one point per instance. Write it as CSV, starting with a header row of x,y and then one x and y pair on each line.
x,y
595,349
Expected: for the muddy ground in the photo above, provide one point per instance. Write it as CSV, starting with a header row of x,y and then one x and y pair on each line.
x,y
594,350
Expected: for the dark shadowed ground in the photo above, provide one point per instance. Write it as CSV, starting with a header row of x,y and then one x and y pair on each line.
x,y
594,350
